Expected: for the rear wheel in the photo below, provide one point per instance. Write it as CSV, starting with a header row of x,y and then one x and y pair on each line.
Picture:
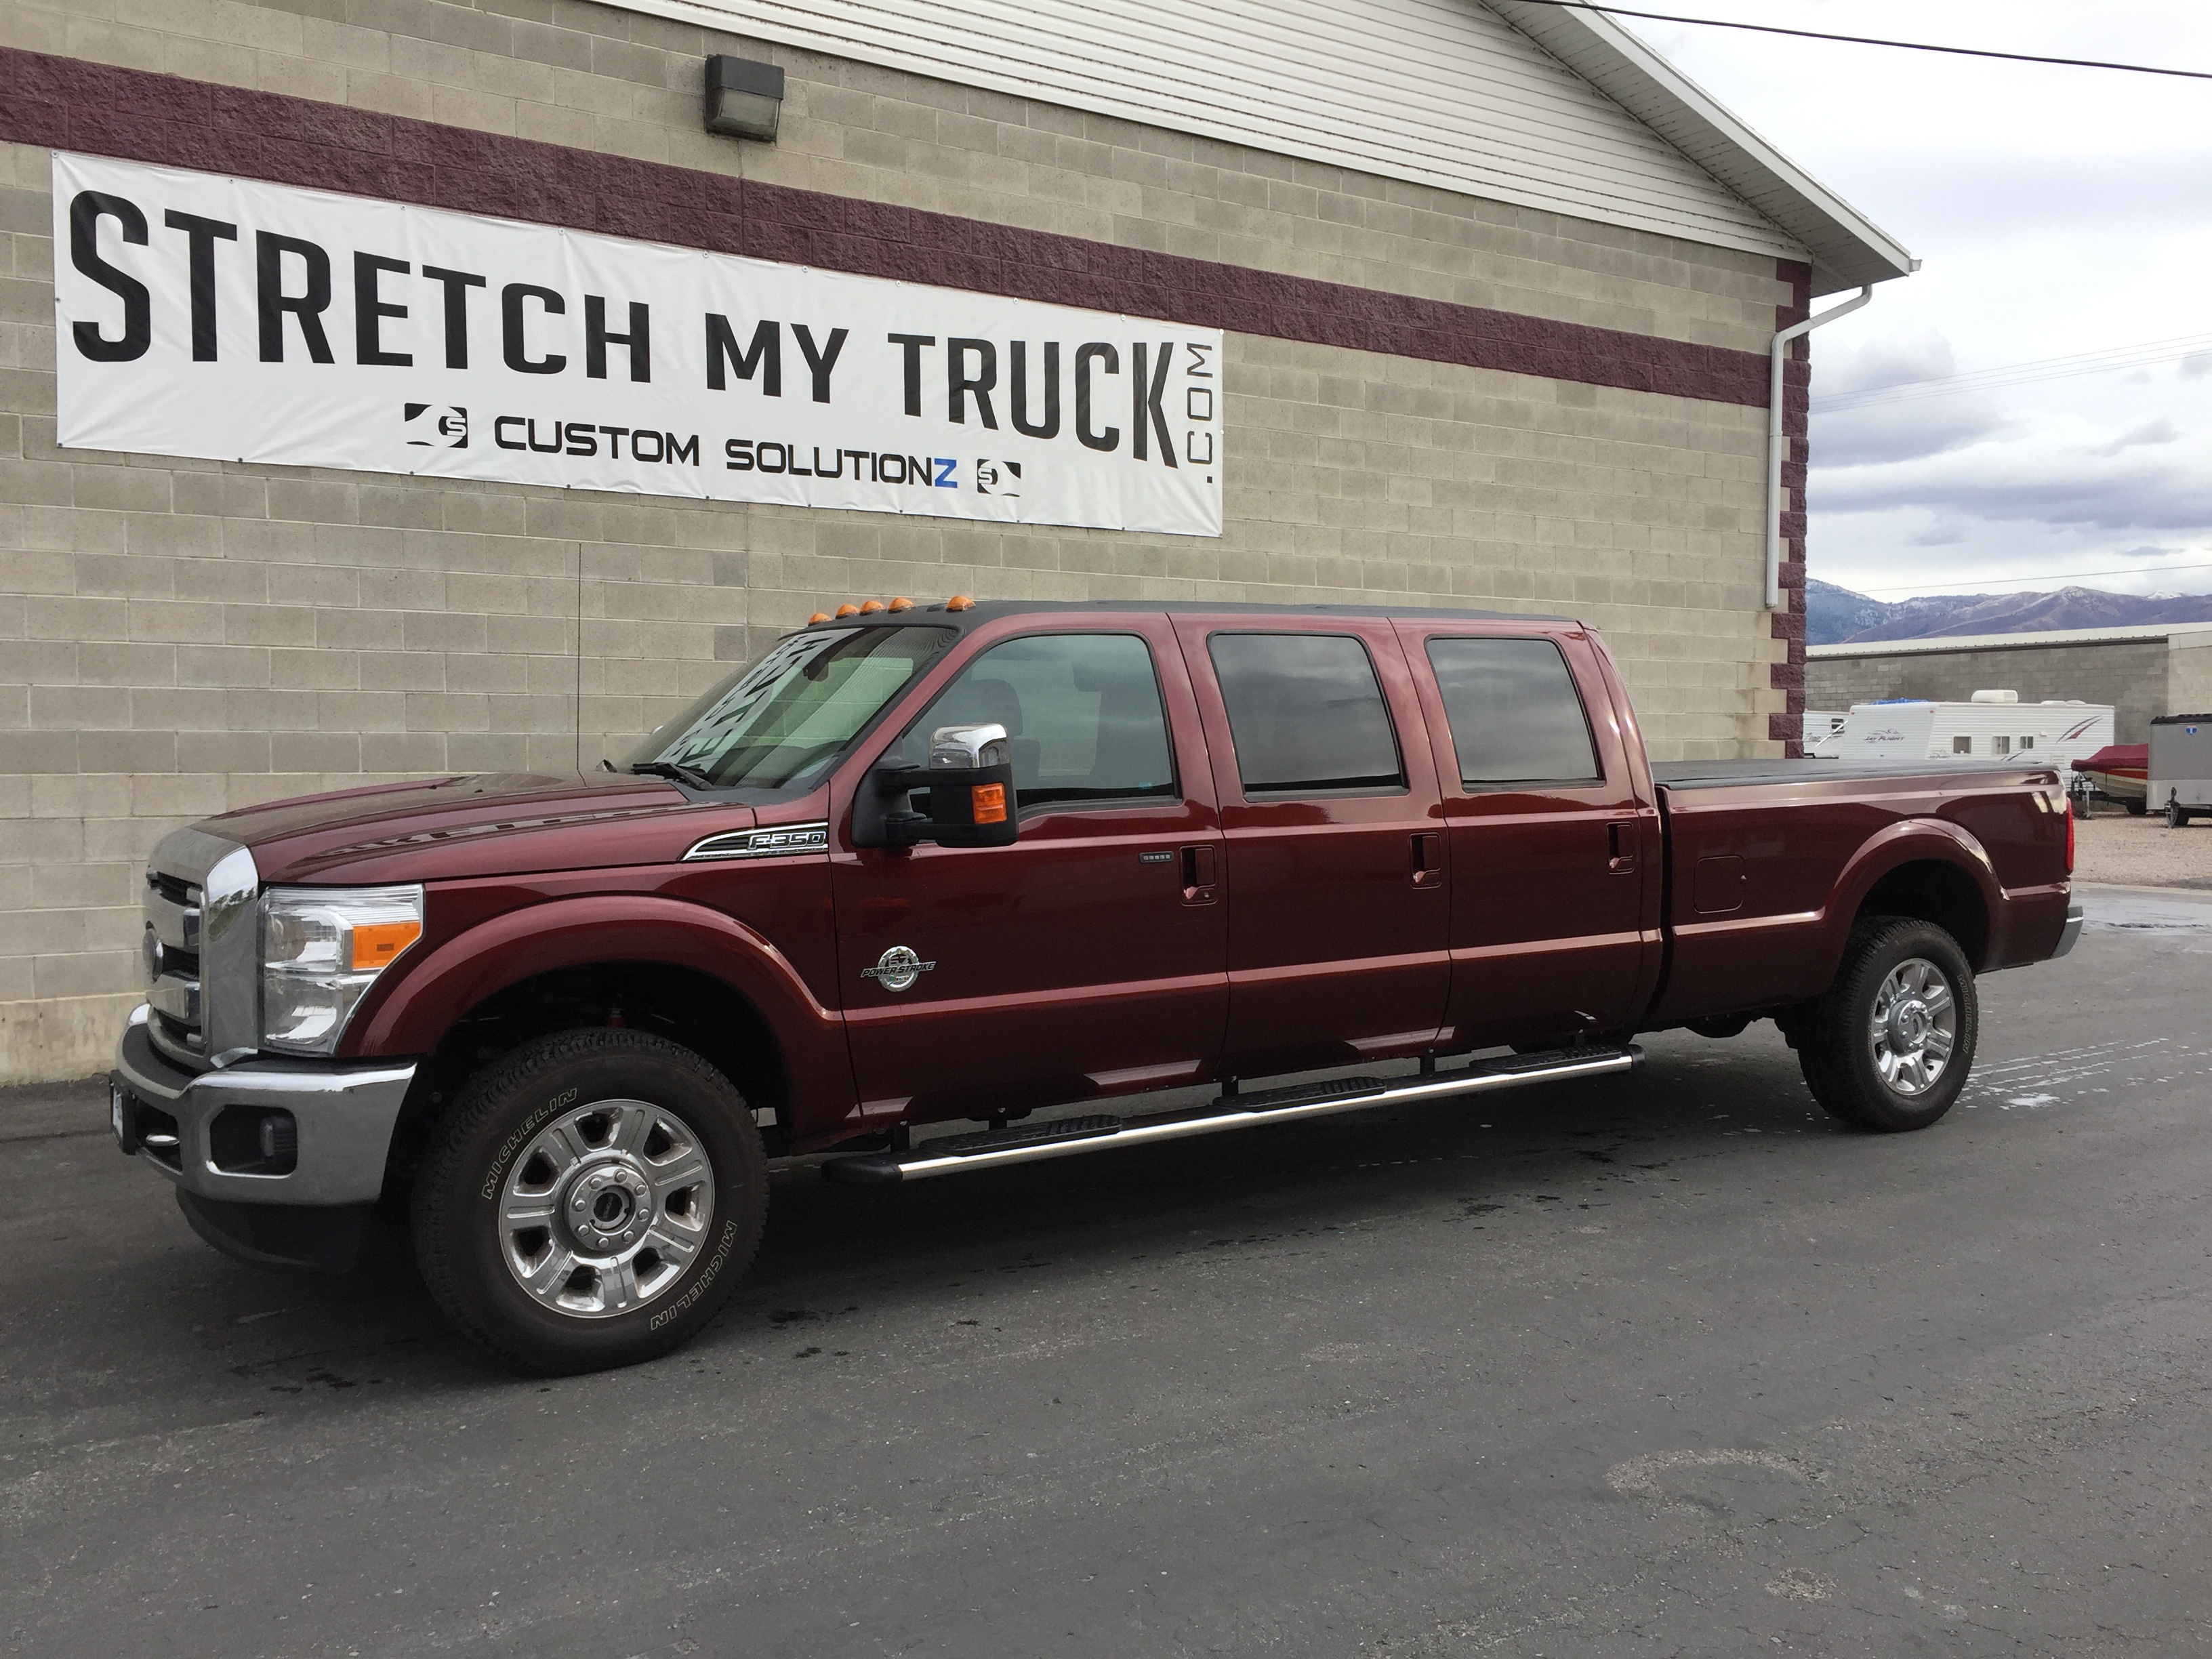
x,y
2137,808
591,1201
2176,816
1889,1047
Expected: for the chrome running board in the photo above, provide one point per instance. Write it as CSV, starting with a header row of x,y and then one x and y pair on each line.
x,y
1069,1137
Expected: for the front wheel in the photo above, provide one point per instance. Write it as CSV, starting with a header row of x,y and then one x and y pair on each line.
x,y
591,1201
1889,1047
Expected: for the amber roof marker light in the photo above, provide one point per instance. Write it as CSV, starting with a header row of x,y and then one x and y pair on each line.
x,y
870,607
960,602
848,610
819,617
900,604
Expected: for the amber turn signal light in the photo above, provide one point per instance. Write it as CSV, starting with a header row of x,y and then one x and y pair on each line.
x,y
375,944
990,802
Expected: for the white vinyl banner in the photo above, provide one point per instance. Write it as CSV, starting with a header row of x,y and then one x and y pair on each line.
x,y
224,317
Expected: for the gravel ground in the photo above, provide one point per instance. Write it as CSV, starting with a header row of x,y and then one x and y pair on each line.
x,y
2127,852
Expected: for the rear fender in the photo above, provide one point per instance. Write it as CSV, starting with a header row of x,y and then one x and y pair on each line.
x,y
1910,841
459,973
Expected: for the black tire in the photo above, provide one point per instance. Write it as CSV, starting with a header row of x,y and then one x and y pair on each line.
x,y
463,1246
1838,1054
2136,808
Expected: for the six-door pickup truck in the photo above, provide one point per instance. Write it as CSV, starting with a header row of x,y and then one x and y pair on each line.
x,y
970,861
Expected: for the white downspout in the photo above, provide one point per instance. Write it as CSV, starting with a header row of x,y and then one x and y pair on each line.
x,y
1779,353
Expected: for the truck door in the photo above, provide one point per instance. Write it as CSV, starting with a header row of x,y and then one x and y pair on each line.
x,y
1339,904
1553,851
1088,958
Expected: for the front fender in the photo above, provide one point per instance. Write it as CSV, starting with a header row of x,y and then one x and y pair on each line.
x,y
505,950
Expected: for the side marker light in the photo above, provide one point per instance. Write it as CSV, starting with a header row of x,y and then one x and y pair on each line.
x,y
376,943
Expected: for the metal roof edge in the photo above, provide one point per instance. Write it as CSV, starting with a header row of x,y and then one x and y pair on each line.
x,y
2004,642
1849,249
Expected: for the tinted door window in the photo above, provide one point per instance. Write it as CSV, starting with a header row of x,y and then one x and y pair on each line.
x,y
1515,715
1306,714
1082,712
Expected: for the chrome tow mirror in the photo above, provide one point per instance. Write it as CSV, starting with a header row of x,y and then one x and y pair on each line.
x,y
967,788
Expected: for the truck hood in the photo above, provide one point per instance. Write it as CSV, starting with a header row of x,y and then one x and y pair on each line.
x,y
488,824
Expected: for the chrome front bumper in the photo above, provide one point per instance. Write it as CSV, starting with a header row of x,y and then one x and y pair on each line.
x,y
345,1115
2072,933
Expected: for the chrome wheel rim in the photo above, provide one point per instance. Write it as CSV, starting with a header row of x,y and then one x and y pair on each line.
x,y
606,1208
1916,1025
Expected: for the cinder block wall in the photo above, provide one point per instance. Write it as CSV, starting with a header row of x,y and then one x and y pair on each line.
x,y
2130,675
2189,674
179,637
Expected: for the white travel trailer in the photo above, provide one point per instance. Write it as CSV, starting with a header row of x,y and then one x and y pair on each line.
x,y
1995,725
1821,723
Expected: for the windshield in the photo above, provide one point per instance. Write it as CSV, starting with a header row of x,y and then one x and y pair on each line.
x,y
783,720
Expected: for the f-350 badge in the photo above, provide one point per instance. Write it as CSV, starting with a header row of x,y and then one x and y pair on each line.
x,y
897,969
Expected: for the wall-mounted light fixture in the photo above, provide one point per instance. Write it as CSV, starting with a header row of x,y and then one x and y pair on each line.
x,y
744,98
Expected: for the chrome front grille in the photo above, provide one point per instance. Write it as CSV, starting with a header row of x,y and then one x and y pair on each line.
x,y
201,949
173,965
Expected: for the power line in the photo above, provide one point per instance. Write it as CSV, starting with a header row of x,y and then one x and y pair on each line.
x,y
2050,576
1870,40
2112,358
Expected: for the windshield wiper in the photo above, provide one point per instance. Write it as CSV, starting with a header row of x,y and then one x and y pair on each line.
x,y
677,770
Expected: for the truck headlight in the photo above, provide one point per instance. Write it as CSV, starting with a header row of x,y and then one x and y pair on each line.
x,y
321,949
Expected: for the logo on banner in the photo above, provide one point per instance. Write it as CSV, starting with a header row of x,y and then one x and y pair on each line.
x,y
436,426
998,478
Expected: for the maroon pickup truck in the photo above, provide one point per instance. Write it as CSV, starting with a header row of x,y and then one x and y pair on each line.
x,y
977,860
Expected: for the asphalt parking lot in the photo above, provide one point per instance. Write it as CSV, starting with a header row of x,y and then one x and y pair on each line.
x,y
1657,1365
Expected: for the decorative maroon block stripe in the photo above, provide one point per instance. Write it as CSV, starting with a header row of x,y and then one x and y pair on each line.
x,y
1788,624
70,104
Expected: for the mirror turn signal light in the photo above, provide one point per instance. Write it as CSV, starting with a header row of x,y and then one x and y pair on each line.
x,y
376,943
989,800
960,602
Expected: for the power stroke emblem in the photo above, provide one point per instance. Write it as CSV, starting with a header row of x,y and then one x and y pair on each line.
x,y
897,969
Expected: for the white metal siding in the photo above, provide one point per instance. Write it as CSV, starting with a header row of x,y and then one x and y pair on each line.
x,y
1439,92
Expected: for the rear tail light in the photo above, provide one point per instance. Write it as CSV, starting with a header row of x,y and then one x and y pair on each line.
x,y
2070,837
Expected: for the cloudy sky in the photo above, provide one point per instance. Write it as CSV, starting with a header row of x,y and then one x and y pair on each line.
x,y
2060,212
